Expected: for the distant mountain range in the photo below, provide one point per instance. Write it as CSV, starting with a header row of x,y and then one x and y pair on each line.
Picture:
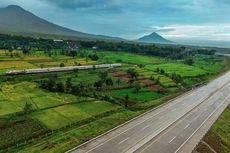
x,y
16,20
154,38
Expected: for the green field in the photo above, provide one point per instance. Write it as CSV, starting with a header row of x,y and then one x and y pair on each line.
x,y
69,114
12,65
61,142
122,57
178,68
143,95
14,131
65,118
14,96
219,135
164,80
37,60
209,64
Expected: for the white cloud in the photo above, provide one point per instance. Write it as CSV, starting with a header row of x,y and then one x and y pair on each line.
x,y
202,32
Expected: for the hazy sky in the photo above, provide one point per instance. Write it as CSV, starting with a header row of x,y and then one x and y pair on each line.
x,y
174,19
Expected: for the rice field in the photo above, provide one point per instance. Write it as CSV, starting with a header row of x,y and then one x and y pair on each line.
x,y
38,61
59,117
32,58
12,65
180,69
143,95
122,57
87,116
14,96
164,80
209,66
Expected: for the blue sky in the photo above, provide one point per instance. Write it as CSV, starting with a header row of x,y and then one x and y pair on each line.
x,y
174,19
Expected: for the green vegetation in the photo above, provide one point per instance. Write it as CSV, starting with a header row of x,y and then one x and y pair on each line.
x,y
17,130
122,57
219,135
33,60
62,110
143,95
69,114
56,48
13,97
60,142
180,69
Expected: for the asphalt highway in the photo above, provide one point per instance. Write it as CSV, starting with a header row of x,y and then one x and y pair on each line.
x,y
173,139
168,128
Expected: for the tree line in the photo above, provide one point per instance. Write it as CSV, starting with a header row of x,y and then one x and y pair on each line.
x,y
27,44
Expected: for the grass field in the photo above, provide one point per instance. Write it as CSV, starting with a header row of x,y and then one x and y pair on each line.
x,y
61,142
121,57
11,65
164,80
209,65
180,69
143,95
219,135
69,114
37,60
67,62
76,119
14,96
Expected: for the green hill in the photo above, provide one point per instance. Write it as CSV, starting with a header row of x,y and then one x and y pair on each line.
x,y
16,20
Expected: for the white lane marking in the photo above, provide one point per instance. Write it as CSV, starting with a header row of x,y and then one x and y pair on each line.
x,y
174,110
201,125
177,100
186,126
123,141
126,130
195,118
179,121
172,139
164,109
144,127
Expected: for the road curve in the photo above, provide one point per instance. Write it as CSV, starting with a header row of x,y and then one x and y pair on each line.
x,y
168,128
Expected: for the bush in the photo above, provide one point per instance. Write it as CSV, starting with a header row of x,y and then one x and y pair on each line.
x,y
62,65
28,108
93,57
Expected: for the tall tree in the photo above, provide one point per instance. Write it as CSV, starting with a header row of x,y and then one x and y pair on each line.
x,y
126,100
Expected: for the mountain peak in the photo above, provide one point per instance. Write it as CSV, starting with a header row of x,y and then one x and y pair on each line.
x,y
14,7
154,33
15,19
153,38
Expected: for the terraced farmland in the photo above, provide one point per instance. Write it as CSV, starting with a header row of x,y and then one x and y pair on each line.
x,y
19,61
69,108
14,96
